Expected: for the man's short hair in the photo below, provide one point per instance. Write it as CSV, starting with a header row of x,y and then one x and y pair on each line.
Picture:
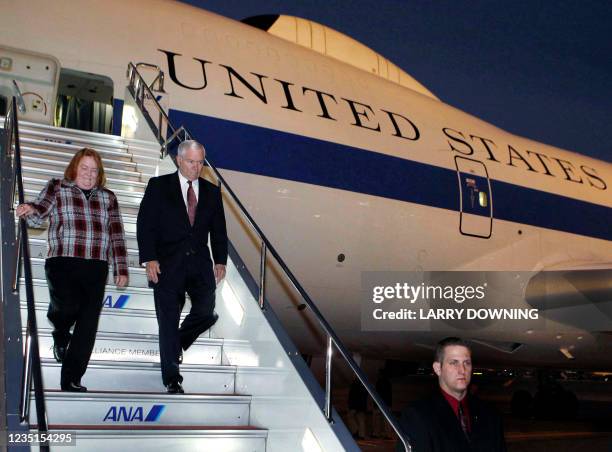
x,y
446,342
189,144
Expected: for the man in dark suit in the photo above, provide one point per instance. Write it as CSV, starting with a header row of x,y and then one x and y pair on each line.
x,y
452,420
177,213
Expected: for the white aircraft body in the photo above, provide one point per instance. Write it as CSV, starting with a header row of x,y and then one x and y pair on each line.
x,y
349,172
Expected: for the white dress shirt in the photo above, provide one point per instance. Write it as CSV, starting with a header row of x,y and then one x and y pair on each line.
x,y
184,187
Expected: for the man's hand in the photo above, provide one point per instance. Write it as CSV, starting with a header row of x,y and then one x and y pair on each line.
x,y
219,272
121,280
152,271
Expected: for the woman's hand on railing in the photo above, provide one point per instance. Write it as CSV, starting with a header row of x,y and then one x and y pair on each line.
x,y
121,280
24,210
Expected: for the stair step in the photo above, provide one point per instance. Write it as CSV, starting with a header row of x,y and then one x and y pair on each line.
x,y
132,347
133,298
211,428
158,438
61,166
136,376
138,277
50,129
46,174
81,138
142,158
85,138
119,162
143,155
65,151
115,320
132,334
77,138
38,248
66,142
148,152
98,408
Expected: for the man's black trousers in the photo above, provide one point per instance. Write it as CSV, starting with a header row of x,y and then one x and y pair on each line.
x,y
193,275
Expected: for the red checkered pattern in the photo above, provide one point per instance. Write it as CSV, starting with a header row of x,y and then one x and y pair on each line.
x,y
80,227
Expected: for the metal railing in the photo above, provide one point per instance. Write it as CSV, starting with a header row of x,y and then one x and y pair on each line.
x,y
159,79
19,97
155,116
139,88
32,370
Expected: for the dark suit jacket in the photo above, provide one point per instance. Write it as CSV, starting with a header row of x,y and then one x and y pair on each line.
x,y
432,426
163,228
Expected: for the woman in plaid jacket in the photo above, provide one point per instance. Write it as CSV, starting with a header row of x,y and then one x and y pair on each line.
x,y
85,232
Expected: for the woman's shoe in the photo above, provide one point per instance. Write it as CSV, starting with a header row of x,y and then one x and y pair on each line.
x,y
73,387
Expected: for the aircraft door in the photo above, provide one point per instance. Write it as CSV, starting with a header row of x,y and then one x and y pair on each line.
x,y
475,198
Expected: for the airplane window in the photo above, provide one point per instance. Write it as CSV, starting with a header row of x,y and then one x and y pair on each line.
x,y
482,199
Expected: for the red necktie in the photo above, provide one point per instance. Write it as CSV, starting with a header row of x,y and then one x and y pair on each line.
x,y
463,421
192,203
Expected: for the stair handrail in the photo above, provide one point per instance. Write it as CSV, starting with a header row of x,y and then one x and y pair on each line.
x,y
159,79
171,138
141,92
332,337
32,369
20,101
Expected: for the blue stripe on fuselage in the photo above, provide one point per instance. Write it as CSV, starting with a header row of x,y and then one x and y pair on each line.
x,y
267,152
117,116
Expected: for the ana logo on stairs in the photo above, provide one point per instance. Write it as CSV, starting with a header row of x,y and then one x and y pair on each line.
x,y
133,414
120,303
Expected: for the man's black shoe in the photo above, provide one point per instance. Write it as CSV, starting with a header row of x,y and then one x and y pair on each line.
x,y
59,353
175,388
73,387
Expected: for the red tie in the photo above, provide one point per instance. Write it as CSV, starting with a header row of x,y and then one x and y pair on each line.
x,y
192,203
463,421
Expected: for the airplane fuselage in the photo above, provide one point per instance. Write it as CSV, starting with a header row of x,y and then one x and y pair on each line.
x,y
345,172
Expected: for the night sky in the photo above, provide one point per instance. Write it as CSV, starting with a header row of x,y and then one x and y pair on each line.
x,y
540,69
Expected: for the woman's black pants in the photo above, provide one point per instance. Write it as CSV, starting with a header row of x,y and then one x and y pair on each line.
x,y
76,289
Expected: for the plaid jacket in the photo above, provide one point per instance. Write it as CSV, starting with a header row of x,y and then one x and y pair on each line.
x,y
78,227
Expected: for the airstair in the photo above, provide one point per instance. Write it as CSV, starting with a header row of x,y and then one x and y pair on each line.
x,y
246,386
233,400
